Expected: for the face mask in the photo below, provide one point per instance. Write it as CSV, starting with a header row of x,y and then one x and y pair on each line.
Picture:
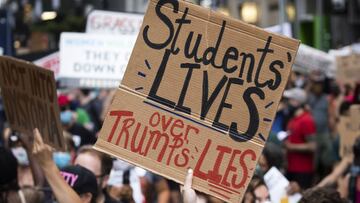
x,y
61,159
299,82
21,156
292,109
121,165
66,117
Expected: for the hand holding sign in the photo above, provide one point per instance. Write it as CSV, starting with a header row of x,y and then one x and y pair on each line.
x,y
189,194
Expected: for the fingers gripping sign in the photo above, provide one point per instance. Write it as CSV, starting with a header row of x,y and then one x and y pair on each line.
x,y
189,194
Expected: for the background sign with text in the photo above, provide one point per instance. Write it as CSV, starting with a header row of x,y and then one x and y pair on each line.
x,y
97,60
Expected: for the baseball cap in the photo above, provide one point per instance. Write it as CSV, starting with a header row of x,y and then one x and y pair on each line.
x,y
297,94
80,179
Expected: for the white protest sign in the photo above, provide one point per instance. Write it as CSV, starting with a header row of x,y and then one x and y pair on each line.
x,y
94,60
107,22
277,184
310,59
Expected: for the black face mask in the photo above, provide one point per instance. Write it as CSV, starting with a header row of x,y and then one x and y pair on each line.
x,y
291,110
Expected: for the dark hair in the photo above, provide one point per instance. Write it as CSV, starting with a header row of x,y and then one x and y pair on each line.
x,y
273,155
344,107
321,195
106,160
356,148
8,171
85,91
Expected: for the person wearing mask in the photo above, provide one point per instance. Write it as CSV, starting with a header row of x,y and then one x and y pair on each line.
x,y
80,134
9,188
42,153
300,144
100,164
10,191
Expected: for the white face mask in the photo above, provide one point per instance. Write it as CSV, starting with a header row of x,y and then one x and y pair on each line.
x,y
299,82
21,155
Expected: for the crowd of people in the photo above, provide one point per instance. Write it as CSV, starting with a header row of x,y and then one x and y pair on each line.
x,y
303,145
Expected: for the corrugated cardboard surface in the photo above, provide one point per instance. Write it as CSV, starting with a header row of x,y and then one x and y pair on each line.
x,y
348,68
193,110
349,130
30,99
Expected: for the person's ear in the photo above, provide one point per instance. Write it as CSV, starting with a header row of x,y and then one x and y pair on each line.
x,y
86,198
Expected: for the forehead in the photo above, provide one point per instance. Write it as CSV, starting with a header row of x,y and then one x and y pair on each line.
x,y
90,162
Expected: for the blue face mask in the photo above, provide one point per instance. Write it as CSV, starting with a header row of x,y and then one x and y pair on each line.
x,y
66,117
61,159
21,156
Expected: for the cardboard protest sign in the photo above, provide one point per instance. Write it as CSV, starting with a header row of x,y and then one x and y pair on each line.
x,y
92,60
117,23
30,99
349,130
50,62
201,90
348,68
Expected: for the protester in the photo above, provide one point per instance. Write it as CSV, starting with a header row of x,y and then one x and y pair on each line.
x,y
259,190
92,103
100,164
9,188
82,181
42,154
80,134
319,105
300,144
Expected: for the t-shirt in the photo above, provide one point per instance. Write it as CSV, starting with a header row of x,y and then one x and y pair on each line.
x,y
300,128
